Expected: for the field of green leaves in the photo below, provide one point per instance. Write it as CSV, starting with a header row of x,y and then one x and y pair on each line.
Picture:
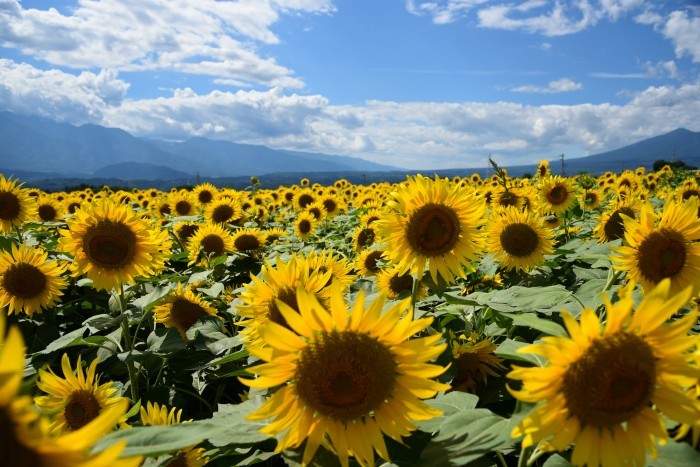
x,y
546,321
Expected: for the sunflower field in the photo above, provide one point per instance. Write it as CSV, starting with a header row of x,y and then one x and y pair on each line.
x,y
545,321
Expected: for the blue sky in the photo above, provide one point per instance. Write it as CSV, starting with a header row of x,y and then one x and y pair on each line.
x,y
411,83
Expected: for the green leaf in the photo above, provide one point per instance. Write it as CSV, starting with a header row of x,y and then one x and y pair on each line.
x,y
674,454
508,350
531,320
557,461
450,403
67,340
515,299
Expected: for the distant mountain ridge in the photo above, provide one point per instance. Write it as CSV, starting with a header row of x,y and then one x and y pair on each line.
x,y
33,144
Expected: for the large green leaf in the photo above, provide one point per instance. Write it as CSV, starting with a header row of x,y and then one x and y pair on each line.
x,y
449,404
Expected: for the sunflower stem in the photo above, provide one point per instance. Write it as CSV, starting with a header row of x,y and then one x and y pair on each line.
x,y
20,239
613,276
525,456
128,346
414,295
177,239
501,459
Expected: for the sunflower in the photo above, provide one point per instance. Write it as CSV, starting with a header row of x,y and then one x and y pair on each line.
x,y
222,210
111,244
556,194
251,239
273,234
182,204
77,398
304,225
204,193
48,209
603,388
474,361
181,309
364,237
591,199
16,206
158,415
367,262
303,198
209,242
26,441
667,249
317,210
394,283
258,302
184,230
431,222
503,197
610,224
28,281
326,260
332,205
543,168
519,239
348,376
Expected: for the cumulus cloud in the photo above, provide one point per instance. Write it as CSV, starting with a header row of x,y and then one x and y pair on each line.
x,y
684,32
554,87
204,37
547,17
419,135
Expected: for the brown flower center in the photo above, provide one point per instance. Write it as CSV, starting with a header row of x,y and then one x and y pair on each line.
x,y
345,374
183,207
185,313
401,283
109,244
185,231
305,200
508,198
9,206
164,209
24,280
612,381
689,193
304,226
615,227
661,254
205,196
519,240
330,205
212,245
365,238
47,213
82,408
222,214
371,261
433,229
246,242
557,195
287,296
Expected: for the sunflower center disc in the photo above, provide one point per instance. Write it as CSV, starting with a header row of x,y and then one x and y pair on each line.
x,y
9,205
222,214
184,232
110,244
24,280
212,244
304,226
687,194
615,227
662,254
612,381
183,207
12,451
371,261
433,229
246,242
345,375
557,195
47,213
289,297
519,240
329,205
305,200
81,409
365,238
205,196
508,198
401,283
185,313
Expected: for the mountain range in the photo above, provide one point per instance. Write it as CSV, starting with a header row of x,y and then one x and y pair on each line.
x,y
42,148
36,149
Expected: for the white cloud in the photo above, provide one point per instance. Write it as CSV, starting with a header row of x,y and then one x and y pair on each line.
x,y
662,69
684,31
554,87
547,17
204,37
420,135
